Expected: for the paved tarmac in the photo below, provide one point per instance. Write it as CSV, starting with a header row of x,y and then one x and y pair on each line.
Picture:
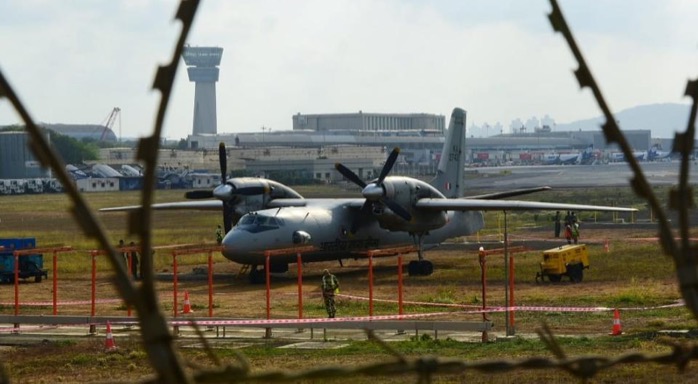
x,y
601,175
239,337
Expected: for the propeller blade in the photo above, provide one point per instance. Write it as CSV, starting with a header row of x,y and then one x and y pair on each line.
x,y
198,194
388,164
224,191
398,209
223,160
346,172
227,217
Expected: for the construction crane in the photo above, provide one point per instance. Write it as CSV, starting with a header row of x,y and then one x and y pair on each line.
x,y
109,122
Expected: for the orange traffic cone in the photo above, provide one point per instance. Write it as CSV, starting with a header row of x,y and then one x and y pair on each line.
x,y
187,306
616,324
109,344
605,246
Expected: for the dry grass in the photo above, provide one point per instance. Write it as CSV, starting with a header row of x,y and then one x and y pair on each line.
x,y
633,274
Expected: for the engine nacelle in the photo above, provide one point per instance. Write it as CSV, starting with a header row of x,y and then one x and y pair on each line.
x,y
248,194
406,192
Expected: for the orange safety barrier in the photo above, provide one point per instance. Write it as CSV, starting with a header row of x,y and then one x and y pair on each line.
x,y
101,252
386,252
267,264
510,251
32,251
191,250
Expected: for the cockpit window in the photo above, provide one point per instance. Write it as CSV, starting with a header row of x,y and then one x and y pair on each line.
x,y
259,223
247,220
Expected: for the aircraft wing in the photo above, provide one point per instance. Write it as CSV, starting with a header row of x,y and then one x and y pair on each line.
x,y
278,203
506,194
202,205
509,205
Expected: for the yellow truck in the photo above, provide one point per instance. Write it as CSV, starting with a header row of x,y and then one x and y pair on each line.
x,y
567,260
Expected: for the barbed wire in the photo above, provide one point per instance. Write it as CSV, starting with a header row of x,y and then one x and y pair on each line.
x,y
425,368
158,341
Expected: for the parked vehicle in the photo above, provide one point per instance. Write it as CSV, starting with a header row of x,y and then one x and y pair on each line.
x,y
29,265
567,260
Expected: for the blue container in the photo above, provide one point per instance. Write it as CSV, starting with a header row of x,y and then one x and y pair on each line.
x,y
29,265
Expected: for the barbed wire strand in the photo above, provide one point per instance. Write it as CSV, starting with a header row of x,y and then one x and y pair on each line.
x,y
684,255
158,340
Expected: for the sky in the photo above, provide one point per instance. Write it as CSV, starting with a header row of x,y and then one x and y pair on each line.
x,y
74,61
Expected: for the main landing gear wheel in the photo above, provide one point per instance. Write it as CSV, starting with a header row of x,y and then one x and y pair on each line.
x,y
420,268
257,276
555,278
575,272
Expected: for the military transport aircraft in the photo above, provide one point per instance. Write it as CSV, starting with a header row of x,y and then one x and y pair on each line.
x,y
393,211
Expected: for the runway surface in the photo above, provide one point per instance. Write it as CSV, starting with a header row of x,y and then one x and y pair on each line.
x,y
570,176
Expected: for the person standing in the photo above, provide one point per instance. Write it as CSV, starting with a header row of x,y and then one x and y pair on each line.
x,y
219,234
568,218
558,224
568,233
134,260
124,255
575,232
330,286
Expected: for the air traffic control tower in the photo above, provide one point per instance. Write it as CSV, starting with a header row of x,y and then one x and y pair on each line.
x,y
202,67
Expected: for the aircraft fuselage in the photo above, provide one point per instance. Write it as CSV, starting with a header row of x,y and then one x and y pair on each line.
x,y
337,231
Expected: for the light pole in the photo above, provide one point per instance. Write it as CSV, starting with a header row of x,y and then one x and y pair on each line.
x,y
265,129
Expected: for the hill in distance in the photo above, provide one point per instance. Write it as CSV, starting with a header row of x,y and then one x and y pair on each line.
x,y
662,119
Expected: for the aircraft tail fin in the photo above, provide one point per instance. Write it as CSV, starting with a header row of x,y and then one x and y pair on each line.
x,y
449,178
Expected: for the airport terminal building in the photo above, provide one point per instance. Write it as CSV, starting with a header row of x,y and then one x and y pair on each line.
x,y
370,123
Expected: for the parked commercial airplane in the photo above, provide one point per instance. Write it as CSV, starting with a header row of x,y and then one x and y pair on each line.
x,y
656,154
394,211
620,156
588,156
561,158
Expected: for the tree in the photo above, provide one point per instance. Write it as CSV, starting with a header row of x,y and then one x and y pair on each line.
x,y
70,149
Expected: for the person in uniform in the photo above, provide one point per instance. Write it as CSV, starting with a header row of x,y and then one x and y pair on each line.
x,y
575,232
219,234
330,286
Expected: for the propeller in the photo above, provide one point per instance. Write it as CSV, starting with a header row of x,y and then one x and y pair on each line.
x,y
375,190
227,208
229,191
220,192
223,161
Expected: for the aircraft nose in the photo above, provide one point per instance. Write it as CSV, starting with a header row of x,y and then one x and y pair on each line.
x,y
235,243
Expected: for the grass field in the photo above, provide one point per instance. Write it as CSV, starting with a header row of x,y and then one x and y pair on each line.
x,y
633,274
